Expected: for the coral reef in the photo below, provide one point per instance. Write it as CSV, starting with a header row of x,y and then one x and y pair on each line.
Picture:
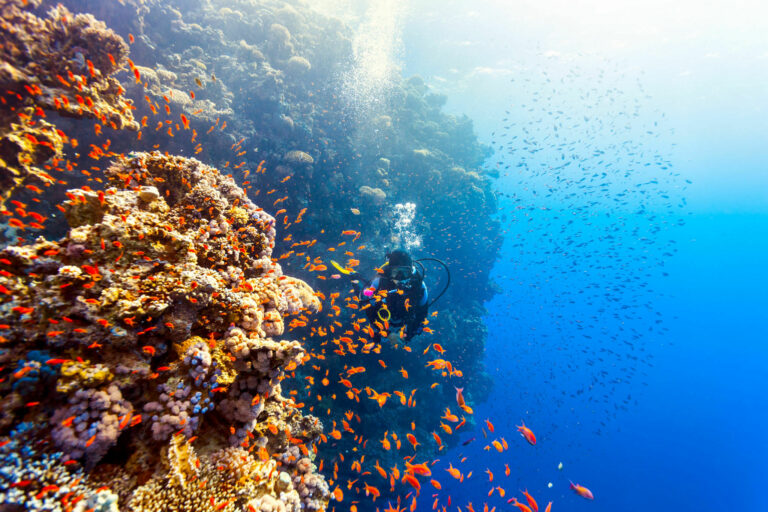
x,y
35,480
153,319
185,287
230,479
61,63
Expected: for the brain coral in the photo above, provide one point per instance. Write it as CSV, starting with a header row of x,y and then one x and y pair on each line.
x,y
153,320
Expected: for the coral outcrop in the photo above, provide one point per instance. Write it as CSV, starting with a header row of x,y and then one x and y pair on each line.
x,y
150,324
62,63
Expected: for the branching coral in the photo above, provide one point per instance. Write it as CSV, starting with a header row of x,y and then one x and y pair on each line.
x,y
39,481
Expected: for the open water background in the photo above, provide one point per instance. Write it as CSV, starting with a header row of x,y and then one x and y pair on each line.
x,y
693,435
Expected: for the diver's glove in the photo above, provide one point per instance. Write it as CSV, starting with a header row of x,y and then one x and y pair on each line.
x,y
410,332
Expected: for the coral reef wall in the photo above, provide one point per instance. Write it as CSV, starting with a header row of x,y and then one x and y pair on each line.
x,y
151,324
158,314
64,63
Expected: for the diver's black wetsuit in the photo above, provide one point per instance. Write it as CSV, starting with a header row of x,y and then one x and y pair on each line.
x,y
410,315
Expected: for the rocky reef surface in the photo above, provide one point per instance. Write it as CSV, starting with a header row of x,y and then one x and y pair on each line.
x,y
152,324
61,62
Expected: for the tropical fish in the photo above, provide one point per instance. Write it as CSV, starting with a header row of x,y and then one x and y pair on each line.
x,y
527,433
531,502
582,491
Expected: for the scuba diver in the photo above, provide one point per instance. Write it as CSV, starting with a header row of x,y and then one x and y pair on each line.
x,y
397,297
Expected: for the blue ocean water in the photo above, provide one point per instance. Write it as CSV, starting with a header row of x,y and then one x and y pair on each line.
x,y
663,408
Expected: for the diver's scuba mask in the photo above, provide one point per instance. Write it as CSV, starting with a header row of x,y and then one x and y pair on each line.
x,y
401,274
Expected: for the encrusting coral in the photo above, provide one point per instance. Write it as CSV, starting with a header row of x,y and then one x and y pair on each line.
x,y
152,320
65,63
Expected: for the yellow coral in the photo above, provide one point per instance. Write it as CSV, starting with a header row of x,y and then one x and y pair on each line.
x,y
76,375
222,358
238,215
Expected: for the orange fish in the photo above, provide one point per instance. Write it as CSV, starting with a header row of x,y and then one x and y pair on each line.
x,y
381,470
522,507
448,416
437,364
371,491
531,502
411,480
527,433
460,397
17,224
582,491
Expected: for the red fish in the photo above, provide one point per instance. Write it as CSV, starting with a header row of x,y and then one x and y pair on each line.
x,y
531,502
460,397
527,433
17,224
582,491
522,507
411,480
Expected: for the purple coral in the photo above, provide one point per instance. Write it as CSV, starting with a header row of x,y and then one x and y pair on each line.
x,y
174,411
90,423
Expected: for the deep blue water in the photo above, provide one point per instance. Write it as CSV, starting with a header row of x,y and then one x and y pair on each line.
x,y
698,424
692,437
692,434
